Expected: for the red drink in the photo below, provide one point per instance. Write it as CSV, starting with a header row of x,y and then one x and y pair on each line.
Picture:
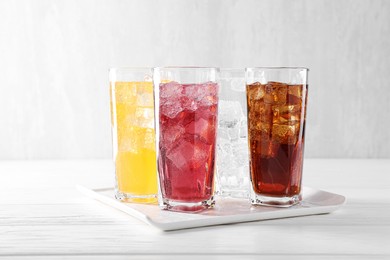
x,y
187,137
276,129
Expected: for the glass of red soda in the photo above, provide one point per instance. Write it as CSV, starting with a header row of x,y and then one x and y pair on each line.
x,y
186,109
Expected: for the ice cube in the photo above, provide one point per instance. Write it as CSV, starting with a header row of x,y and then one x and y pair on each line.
x,y
194,91
170,94
245,171
224,145
171,108
259,130
129,139
200,154
228,132
129,117
144,117
189,103
197,95
238,84
230,113
208,113
225,167
149,140
260,111
231,123
232,180
224,153
223,180
203,129
205,94
287,109
223,134
125,145
275,93
228,179
187,155
181,155
286,114
172,134
208,100
145,99
255,91
240,152
295,90
293,100
125,92
211,88
170,90
243,127
243,178
191,96
285,134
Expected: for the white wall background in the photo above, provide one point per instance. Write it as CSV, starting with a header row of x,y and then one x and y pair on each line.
x,y
54,56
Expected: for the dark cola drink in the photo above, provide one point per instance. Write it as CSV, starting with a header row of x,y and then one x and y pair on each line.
x,y
276,133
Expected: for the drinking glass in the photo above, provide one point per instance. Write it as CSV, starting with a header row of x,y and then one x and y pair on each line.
x,y
232,141
186,108
133,137
276,99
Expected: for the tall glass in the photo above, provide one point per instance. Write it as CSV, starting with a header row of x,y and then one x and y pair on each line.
x,y
132,121
186,107
232,141
276,99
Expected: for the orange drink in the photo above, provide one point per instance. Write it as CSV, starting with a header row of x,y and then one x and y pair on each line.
x,y
133,140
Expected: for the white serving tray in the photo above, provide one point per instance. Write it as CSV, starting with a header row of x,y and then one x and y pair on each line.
x,y
226,210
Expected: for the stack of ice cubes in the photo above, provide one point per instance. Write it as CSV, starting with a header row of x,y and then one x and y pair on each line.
x,y
232,155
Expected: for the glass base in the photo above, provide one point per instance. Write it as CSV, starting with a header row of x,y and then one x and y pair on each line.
x,y
189,207
127,197
262,200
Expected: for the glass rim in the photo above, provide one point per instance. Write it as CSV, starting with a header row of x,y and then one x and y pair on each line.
x,y
277,68
232,68
221,69
185,68
231,73
129,68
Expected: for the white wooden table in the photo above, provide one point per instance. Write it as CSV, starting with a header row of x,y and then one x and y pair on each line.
x,y
43,216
